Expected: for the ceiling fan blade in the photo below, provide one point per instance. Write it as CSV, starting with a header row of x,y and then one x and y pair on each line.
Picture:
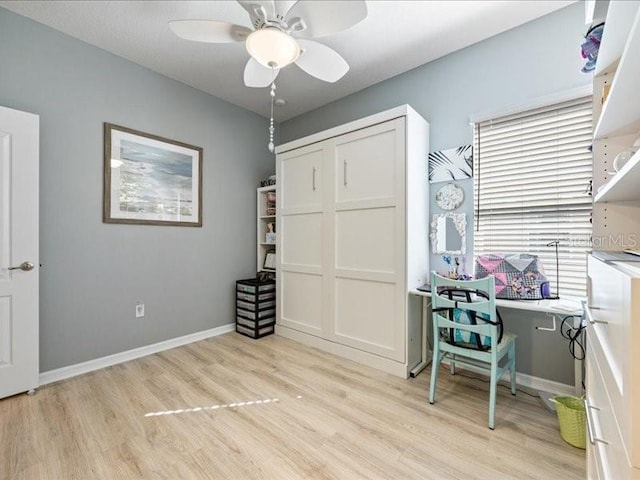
x,y
209,31
321,62
325,17
257,75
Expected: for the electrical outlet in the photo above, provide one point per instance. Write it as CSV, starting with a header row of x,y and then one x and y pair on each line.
x,y
139,310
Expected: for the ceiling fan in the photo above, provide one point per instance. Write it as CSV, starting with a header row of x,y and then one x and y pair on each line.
x,y
280,36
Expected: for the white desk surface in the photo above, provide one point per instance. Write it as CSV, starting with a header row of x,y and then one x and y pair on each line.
x,y
565,305
562,307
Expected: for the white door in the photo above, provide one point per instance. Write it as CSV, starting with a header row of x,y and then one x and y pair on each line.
x,y
366,171
300,180
368,295
19,164
300,251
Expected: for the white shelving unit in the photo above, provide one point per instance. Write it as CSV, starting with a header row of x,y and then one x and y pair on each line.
x,y
615,39
625,185
620,113
616,209
266,213
613,412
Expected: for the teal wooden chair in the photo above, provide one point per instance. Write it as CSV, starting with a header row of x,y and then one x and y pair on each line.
x,y
467,330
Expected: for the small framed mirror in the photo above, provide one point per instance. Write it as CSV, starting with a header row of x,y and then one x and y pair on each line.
x,y
448,233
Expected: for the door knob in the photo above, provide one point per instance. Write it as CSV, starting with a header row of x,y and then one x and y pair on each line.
x,y
24,266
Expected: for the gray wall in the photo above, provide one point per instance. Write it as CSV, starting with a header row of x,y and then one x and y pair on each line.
x,y
94,273
532,61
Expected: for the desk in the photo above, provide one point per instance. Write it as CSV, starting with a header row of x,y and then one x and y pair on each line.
x,y
564,306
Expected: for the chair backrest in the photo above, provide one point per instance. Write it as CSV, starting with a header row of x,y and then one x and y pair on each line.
x,y
466,311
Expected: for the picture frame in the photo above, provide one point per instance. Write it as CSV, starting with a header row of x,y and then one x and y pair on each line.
x,y
270,260
451,164
150,180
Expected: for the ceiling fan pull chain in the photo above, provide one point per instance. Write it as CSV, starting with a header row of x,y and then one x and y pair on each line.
x,y
273,94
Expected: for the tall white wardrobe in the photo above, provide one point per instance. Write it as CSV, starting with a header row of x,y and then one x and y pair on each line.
x,y
352,239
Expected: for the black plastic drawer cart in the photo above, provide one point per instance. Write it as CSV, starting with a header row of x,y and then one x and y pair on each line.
x,y
255,307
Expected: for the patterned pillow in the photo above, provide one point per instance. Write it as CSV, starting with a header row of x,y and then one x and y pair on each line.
x,y
518,276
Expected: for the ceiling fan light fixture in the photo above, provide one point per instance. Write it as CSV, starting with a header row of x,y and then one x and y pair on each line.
x,y
272,48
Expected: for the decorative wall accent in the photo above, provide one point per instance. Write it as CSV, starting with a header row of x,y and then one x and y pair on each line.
x,y
451,164
151,180
450,196
449,233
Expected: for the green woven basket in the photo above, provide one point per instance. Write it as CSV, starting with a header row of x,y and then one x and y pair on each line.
x,y
573,420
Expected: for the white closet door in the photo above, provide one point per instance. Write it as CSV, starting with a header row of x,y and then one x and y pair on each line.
x,y
365,166
368,207
300,180
300,247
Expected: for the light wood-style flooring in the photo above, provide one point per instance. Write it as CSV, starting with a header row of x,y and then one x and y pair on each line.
x,y
235,408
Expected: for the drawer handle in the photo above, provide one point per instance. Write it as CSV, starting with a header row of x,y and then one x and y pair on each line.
x,y
590,319
592,438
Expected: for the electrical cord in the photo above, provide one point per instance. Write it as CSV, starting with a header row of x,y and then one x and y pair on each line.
x,y
576,347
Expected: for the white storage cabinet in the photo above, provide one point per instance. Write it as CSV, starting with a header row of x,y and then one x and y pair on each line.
x,y
613,371
352,223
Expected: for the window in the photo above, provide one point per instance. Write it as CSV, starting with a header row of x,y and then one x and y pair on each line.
x,y
531,173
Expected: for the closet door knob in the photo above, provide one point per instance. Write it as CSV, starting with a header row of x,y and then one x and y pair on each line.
x,y
24,266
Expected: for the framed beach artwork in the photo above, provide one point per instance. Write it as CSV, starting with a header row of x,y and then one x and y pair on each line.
x,y
451,164
150,180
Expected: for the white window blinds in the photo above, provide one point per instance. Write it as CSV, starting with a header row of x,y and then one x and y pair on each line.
x,y
531,172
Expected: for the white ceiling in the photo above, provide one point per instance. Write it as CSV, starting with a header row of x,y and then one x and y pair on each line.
x,y
395,37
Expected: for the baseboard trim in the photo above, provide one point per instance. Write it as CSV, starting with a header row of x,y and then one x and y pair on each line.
x,y
529,381
401,369
542,384
98,363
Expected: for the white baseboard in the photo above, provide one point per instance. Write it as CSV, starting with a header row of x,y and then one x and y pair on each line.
x,y
63,373
98,363
542,384
529,381
401,369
